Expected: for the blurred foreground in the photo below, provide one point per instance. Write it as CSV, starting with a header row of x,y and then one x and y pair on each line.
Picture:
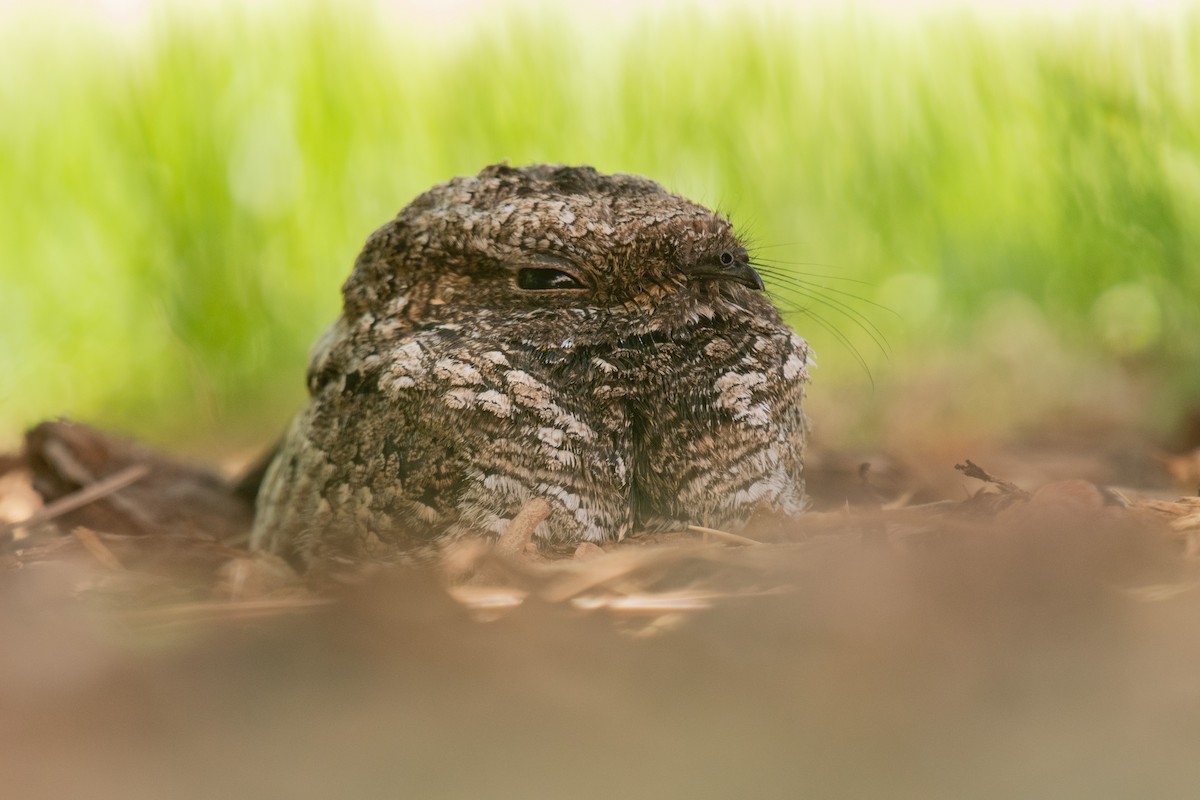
x,y
1008,645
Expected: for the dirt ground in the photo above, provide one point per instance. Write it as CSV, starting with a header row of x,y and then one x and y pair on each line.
x,y
1023,626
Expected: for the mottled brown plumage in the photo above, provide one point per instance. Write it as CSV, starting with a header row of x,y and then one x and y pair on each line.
x,y
547,332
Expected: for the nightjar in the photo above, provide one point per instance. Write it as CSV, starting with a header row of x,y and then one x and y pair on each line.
x,y
543,331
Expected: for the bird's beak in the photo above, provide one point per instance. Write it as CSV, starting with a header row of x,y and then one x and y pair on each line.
x,y
734,273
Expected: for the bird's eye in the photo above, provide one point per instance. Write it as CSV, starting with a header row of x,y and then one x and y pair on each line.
x,y
726,258
544,278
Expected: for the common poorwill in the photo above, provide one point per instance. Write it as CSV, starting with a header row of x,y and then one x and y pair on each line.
x,y
550,332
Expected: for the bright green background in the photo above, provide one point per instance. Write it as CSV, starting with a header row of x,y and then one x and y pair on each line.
x,y
182,198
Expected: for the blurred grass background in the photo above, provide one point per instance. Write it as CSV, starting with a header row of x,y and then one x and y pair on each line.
x,y
183,193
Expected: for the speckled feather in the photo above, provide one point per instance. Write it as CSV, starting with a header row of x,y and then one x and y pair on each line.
x,y
662,390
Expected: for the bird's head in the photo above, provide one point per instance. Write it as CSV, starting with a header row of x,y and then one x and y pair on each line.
x,y
561,254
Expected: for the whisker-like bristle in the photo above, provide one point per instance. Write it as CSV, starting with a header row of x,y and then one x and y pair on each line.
x,y
863,322
822,294
792,278
840,337
786,266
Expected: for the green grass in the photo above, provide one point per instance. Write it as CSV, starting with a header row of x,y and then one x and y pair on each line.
x,y
180,204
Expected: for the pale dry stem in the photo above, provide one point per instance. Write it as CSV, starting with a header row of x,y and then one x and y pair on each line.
x,y
519,533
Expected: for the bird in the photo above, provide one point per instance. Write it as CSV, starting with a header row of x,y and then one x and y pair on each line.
x,y
542,331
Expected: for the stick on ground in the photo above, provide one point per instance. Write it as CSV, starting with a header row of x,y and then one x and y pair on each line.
x,y
79,499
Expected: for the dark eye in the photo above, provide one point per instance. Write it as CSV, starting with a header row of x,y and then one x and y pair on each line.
x,y
726,258
543,278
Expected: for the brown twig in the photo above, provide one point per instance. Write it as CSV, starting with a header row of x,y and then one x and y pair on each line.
x,y
79,499
973,470
66,461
